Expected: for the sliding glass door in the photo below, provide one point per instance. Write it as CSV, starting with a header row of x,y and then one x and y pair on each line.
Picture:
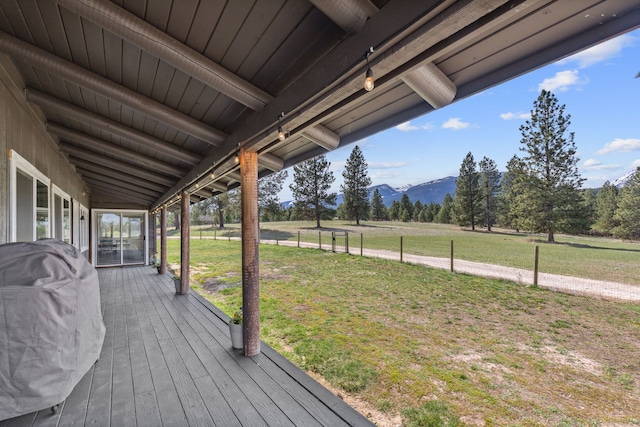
x,y
120,238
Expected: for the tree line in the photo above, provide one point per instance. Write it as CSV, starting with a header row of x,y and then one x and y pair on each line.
x,y
541,190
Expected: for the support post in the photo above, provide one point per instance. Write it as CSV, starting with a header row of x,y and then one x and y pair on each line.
x,y
535,267
452,256
361,242
250,255
298,238
401,248
163,240
184,243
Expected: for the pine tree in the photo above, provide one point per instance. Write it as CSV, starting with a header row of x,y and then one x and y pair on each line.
x,y
628,211
551,201
489,186
268,201
510,194
312,180
468,196
406,205
606,206
395,211
355,188
445,214
378,209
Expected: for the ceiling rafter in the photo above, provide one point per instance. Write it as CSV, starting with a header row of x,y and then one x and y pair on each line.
x,y
58,106
129,27
91,143
76,74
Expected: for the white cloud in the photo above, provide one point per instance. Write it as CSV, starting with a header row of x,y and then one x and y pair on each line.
x,y
599,53
386,165
407,127
562,81
455,123
512,116
618,144
635,164
385,175
595,165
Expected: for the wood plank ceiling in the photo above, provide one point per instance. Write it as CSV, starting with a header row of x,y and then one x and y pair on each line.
x,y
150,97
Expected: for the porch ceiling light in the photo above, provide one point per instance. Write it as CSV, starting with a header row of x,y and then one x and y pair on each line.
x,y
282,135
369,83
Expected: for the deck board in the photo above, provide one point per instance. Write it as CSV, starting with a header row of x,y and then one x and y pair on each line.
x,y
167,361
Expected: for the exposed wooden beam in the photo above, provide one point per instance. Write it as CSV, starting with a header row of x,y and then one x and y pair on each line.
x,y
109,189
106,171
113,164
136,137
94,144
73,73
117,183
158,43
112,168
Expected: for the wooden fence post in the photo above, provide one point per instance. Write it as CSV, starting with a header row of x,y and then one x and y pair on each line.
x,y
400,248
320,239
361,243
535,267
298,238
452,256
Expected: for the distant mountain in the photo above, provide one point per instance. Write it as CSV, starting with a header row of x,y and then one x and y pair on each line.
x,y
620,182
432,191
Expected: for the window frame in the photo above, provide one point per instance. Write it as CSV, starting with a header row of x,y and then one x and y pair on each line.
x,y
19,163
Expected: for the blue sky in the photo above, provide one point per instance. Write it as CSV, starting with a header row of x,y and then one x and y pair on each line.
x,y
597,86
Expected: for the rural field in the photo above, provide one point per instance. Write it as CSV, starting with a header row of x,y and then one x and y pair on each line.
x,y
579,256
410,345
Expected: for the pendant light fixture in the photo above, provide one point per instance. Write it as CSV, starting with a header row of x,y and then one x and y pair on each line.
x,y
369,83
281,134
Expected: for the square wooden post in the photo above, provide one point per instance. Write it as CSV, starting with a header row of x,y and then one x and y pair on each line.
x,y
163,240
250,256
184,242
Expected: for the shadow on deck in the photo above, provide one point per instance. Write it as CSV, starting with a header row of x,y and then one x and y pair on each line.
x,y
167,361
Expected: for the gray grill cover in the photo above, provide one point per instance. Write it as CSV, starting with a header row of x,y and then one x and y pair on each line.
x,y
51,328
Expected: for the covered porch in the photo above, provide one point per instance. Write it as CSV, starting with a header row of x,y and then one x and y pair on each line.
x,y
167,360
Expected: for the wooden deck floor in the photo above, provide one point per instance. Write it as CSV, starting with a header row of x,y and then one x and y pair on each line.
x,y
167,361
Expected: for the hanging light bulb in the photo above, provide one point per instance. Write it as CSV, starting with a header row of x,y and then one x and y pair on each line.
x,y
236,159
369,83
282,135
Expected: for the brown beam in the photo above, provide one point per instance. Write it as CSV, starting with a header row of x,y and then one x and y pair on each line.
x,y
108,189
163,240
250,255
184,243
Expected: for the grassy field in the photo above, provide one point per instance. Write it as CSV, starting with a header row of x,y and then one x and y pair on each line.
x,y
589,257
433,348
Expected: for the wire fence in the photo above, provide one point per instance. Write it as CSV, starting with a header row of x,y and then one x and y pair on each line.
x,y
494,255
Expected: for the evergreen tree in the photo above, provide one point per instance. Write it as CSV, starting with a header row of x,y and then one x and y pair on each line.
x,y
269,187
590,195
417,208
628,211
395,211
312,180
468,196
510,194
489,186
378,209
406,205
606,206
355,188
551,201
445,214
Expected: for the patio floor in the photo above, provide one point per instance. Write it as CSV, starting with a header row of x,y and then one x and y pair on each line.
x,y
167,361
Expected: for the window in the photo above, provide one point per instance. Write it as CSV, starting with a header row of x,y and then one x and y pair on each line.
x,y
61,215
29,195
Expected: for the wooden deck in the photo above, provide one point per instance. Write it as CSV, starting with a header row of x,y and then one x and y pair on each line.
x,y
167,361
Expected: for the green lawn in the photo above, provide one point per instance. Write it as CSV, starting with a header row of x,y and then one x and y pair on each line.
x,y
589,257
429,345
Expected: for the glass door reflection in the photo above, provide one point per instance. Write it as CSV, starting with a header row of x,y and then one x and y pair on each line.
x,y
109,239
132,238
